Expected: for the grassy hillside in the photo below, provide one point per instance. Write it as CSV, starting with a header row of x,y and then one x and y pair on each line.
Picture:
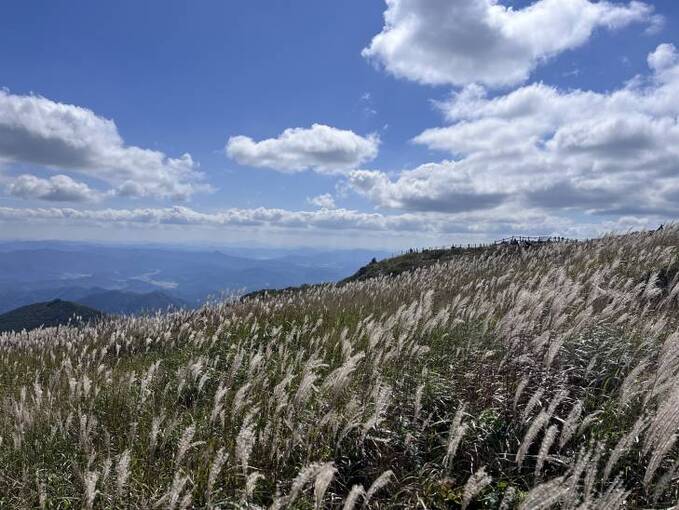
x,y
53,313
416,259
503,378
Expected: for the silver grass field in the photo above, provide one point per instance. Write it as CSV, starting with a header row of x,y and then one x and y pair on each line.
x,y
507,378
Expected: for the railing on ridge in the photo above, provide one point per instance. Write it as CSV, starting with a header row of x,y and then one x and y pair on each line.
x,y
507,241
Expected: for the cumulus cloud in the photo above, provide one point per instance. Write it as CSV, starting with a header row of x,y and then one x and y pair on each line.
x,y
438,187
324,201
459,42
58,188
540,147
265,217
665,56
39,131
481,226
321,148
478,224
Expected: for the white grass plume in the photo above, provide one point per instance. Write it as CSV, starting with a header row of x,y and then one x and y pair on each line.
x,y
475,484
455,435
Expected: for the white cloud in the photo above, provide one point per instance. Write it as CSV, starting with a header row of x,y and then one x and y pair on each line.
x,y
58,188
277,218
459,42
540,148
39,131
428,228
479,225
324,201
323,149
664,57
434,187
368,108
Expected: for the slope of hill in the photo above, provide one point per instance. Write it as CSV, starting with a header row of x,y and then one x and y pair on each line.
x,y
417,259
119,302
512,378
408,261
52,313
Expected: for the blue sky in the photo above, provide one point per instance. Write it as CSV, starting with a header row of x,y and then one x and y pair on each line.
x,y
180,77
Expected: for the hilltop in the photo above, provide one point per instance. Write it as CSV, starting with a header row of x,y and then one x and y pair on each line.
x,y
50,314
412,260
93,306
505,377
417,259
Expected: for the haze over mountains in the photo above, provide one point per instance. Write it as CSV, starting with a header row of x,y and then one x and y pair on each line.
x,y
134,279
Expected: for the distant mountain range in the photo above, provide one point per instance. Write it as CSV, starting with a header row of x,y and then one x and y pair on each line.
x,y
108,302
119,303
50,314
113,278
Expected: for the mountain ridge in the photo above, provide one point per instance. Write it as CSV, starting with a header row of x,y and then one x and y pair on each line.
x,y
49,314
412,260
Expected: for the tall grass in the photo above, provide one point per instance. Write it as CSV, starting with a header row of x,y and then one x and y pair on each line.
x,y
544,378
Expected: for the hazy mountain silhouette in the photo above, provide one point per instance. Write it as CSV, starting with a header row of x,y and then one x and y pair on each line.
x,y
119,302
32,272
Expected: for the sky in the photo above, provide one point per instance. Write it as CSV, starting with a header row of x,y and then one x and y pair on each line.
x,y
359,123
